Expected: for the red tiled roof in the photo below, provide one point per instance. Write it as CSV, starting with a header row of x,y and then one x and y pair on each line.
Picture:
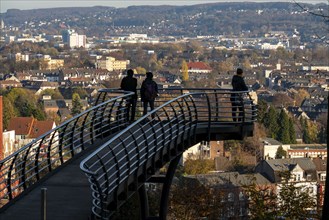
x,y
198,65
40,127
29,126
21,125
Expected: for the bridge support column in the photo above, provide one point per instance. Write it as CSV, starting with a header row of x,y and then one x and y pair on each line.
x,y
166,184
166,187
143,201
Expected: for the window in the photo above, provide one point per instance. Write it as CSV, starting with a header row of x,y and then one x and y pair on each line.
x,y
241,211
230,197
241,196
323,177
298,177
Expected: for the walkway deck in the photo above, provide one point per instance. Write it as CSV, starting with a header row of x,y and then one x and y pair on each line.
x,y
68,195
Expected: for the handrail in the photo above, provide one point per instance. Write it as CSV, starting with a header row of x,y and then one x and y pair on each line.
x,y
133,151
166,94
22,169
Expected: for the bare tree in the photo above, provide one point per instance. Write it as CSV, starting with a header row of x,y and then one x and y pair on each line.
x,y
324,14
320,12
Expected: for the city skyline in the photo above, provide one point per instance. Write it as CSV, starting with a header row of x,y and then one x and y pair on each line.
x,y
38,4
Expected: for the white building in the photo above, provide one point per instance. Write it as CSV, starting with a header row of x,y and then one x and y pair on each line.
x,y
111,64
271,146
73,39
9,146
2,24
201,150
268,46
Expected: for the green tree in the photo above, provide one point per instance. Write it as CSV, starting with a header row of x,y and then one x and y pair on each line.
x,y
283,132
323,135
54,93
262,201
26,104
280,153
292,132
185,76
81,92
295,200
191,199
271,122
198,166
262,108
140,70
306,131
76,104
8,111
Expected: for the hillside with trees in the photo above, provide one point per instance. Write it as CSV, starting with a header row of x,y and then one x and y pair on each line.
x,y
231,18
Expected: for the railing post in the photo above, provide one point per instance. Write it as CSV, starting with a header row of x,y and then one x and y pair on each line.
x,y
209,115
243,108
43,203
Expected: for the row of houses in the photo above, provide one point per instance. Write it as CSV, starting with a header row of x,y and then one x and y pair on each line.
x,y
306,172
60,77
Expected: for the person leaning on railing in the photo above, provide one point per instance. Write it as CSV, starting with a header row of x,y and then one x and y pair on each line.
x,y
238,84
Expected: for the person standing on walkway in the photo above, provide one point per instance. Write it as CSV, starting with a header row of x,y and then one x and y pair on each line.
x,y
149,91
238,84
129,83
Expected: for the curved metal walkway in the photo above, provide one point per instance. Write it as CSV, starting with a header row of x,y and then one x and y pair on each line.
x,y
124,158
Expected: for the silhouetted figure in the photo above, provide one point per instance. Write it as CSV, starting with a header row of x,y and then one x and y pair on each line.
x,y
129,83
238,84
149,91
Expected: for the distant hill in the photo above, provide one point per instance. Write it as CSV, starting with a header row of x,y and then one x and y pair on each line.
x,y
203,19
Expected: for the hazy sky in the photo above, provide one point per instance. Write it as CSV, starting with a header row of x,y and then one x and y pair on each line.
x,y
27,4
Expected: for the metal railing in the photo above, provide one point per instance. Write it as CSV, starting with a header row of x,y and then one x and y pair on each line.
x,y
220,102
120,162
24,168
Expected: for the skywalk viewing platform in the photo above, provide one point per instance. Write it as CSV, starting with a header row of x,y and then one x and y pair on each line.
x,y
91,164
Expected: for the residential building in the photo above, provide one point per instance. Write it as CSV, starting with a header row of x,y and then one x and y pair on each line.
x,y
50,106
302,172
229,189
200,150
321,168
9,83
270,147
307,150
19,57
28,128
73,39
9,143
111,64
198,67
54,63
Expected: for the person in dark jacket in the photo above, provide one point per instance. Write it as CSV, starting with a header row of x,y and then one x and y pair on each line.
x,y
149,91
129,83
238,84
